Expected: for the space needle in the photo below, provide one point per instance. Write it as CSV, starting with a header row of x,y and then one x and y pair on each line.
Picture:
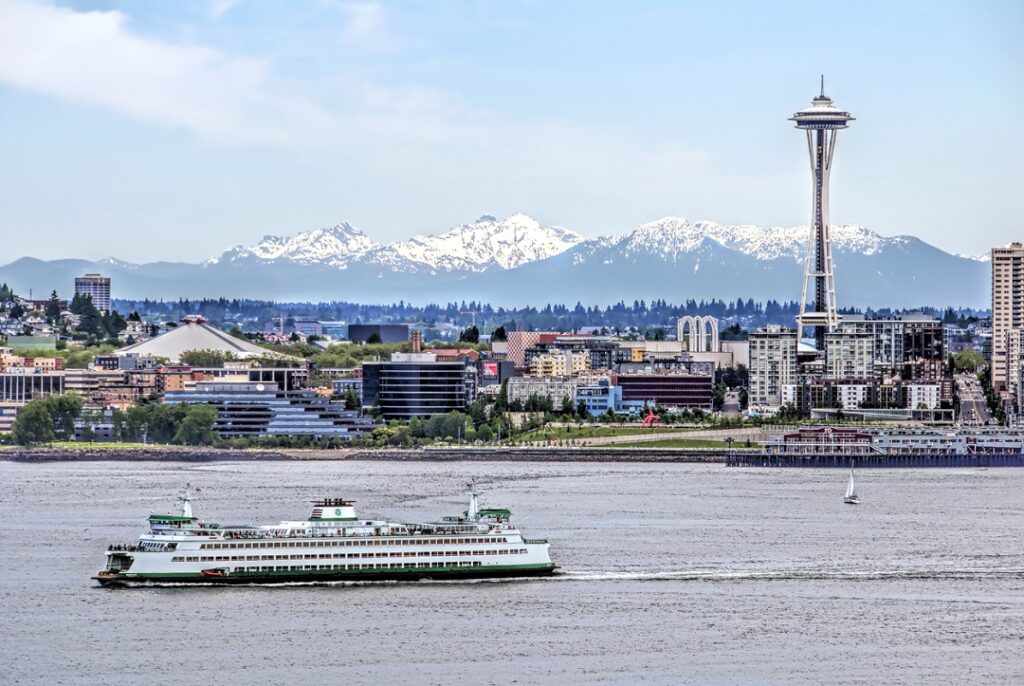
x,y
822,121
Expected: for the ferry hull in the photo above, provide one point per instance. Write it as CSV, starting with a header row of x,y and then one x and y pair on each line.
x,y
450,574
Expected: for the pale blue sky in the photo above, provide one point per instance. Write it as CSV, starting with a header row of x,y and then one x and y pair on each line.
x,y
173,130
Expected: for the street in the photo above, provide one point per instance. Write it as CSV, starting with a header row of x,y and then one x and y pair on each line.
x,y
973,408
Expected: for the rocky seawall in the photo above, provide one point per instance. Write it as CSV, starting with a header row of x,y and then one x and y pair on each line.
x,y
503,454
161,454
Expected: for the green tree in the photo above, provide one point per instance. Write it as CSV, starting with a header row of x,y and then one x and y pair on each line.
x,y
211,359
470,335
34,425
374,338
484,433
90,320
499,334
501,401
196,427
114,323
52,310
581,410
968,360
478,413
352,400
64,411
718,396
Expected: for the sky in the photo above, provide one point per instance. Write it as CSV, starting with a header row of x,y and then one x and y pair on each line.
x,y
165,130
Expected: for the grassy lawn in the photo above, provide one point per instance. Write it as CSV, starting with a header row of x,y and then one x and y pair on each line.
x,y
567,433
103,445
683,443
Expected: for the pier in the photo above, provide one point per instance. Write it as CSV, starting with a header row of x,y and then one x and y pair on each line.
x,y
876,460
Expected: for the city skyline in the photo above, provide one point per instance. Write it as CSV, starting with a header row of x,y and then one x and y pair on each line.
x,y
216,123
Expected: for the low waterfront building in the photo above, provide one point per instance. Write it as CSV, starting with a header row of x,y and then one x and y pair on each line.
x,y
600,398
668,389
551,389
260,409
560,363
895,441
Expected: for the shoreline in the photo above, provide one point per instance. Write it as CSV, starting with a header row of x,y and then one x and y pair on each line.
x,y
513,454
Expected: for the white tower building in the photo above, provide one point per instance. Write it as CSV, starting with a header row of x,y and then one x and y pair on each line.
x,y
822,121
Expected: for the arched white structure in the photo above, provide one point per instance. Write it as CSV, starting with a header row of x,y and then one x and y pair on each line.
x,y
700,334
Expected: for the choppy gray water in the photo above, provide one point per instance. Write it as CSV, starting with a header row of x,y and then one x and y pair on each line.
x,y
673,574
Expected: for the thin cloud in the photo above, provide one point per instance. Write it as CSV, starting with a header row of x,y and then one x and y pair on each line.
x,y
219,8
93,58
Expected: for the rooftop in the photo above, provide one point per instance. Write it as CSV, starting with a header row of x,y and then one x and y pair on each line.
x,y
195,334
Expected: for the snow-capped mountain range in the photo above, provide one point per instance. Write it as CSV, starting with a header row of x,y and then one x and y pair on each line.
x,y
517,261
518,240
487,242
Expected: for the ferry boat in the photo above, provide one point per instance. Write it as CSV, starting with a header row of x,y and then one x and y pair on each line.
x,y
334,544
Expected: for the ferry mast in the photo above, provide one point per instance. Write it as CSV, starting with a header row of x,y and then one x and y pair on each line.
x,y
822,122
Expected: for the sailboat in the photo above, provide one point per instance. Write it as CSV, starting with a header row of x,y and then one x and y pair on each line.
x,y
851,497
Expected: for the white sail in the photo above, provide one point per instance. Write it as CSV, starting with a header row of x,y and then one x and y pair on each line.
x,y
850,490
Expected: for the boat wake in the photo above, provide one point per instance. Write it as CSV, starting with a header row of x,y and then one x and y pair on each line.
x,y
581,576
794,575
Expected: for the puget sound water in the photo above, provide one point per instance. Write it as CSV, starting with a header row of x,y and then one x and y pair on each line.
x,y
673,574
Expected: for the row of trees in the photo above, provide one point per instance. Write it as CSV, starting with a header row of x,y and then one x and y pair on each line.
x,y
637,315
54,418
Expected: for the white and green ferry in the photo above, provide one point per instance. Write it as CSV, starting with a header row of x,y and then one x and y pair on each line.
x,y
334,544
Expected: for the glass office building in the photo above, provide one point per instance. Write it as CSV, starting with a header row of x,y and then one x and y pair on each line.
x,y
417,385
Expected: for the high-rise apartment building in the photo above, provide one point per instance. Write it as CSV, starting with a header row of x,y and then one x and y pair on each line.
x,y
900,339
1007,306
1015,374
849,355
773,365
97,287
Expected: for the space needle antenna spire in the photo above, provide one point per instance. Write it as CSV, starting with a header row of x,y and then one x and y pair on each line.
x,y
822,122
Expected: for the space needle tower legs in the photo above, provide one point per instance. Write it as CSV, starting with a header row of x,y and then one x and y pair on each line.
x,y
822,122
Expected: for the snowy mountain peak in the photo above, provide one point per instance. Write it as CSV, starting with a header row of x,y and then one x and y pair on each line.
x,y
337,246
672,236
507,243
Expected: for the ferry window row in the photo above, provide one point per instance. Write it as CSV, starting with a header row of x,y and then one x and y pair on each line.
x,y
349,542
328,556
355,567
